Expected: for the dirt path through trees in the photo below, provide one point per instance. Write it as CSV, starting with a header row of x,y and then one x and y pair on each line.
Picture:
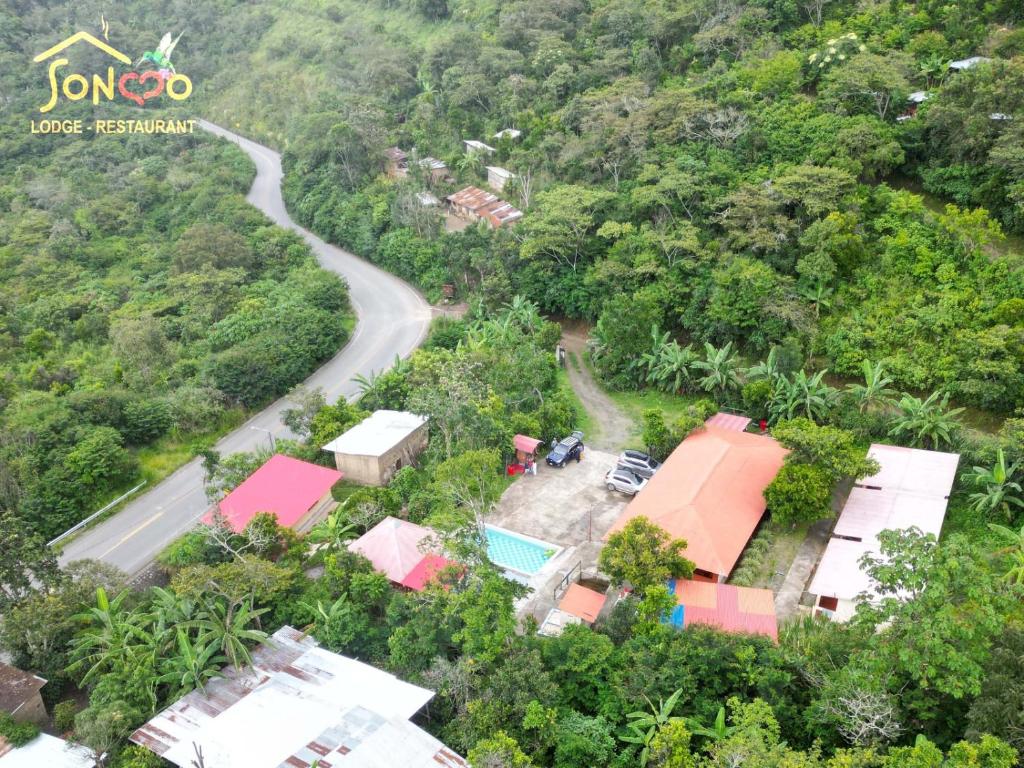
x,y
614,428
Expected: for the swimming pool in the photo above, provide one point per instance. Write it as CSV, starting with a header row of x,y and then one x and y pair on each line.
x,y
517,553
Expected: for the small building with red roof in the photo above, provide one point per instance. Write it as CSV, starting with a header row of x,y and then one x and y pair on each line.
x,y
296,492
723,606
407,553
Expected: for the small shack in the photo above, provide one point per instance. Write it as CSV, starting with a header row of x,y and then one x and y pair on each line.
x,y
472,145
20,695
498,177
526,448
476,204
374,449
579,605
396,162
437,169
296,492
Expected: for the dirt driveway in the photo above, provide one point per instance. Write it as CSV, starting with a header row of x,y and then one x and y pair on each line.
x,y
614,427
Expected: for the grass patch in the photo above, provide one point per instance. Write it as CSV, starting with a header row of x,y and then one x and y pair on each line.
x,y
770,552
634,403
170,453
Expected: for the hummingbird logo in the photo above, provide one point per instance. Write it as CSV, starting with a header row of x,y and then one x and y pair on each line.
x,y
161,57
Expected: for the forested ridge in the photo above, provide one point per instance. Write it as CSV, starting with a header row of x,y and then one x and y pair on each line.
x,y
721,187
144,305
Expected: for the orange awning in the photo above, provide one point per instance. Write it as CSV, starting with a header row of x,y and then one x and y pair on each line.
x,y
582,602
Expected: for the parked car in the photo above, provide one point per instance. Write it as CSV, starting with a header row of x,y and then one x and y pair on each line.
x,y
568,448
623,480
638,463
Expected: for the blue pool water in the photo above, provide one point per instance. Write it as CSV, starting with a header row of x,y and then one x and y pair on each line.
x,y
516,553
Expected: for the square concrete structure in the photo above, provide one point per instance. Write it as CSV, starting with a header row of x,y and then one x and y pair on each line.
x,y
372,451
498,177
19,695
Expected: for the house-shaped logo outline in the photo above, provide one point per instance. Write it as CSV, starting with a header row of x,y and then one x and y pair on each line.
x,y
68,42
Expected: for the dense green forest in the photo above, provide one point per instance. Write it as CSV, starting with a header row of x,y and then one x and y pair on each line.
x,y
144,306
692,171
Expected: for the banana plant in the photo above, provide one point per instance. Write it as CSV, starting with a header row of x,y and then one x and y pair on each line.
x,y
644,725
999,492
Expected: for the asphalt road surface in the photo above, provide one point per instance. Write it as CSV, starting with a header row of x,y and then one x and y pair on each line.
x,y
393,320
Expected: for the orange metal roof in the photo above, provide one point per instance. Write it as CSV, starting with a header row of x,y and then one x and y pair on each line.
x,y
582,602
710,493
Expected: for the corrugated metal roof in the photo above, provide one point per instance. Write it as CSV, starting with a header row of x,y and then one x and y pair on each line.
x,y
17,687
485,205
287,487
582,602
45,751
295,704
732,421
710,492
730,608
911,489
377,434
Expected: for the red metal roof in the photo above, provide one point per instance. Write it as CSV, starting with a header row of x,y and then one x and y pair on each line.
x,y
287,487
731,421
710,492
582,602
525,444
731,609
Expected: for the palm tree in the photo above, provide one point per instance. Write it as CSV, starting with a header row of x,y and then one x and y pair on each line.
x,y
999,491
928,423
113,636
645,724
875,389
673,367
227,625
647,363
802,395
766,369
717,731
332,532
524,313
1014,550
721,367
192,666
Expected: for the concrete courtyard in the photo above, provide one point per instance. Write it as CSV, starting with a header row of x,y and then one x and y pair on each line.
x,y
569,507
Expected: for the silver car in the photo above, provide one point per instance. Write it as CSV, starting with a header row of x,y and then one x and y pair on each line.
x,y
623,480
639,463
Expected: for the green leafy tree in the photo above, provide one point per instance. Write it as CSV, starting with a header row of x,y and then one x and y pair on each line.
x,y
800,493
498,751
644,555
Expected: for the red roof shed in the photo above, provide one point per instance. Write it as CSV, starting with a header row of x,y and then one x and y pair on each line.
x,y
286,487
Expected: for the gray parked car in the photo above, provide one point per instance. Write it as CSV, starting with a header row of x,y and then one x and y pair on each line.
x,y
623,480
638,463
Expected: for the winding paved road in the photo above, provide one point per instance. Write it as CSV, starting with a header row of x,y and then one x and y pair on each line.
x,y
393,320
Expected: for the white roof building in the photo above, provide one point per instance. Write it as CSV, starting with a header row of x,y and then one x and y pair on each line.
x,y
918,97
45,751
377,434
511,133
498,177
911,489
472,145
296,705
963,64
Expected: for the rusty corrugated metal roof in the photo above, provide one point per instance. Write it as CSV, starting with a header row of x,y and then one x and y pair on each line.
x,y
298,703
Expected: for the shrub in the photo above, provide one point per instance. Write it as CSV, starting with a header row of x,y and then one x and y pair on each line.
x,y
64,715
17,734
799,493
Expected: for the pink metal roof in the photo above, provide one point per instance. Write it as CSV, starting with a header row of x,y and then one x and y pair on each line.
x,y
911,469
731,421
287,487
525,444
396,547
730,608
424,571
910,489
